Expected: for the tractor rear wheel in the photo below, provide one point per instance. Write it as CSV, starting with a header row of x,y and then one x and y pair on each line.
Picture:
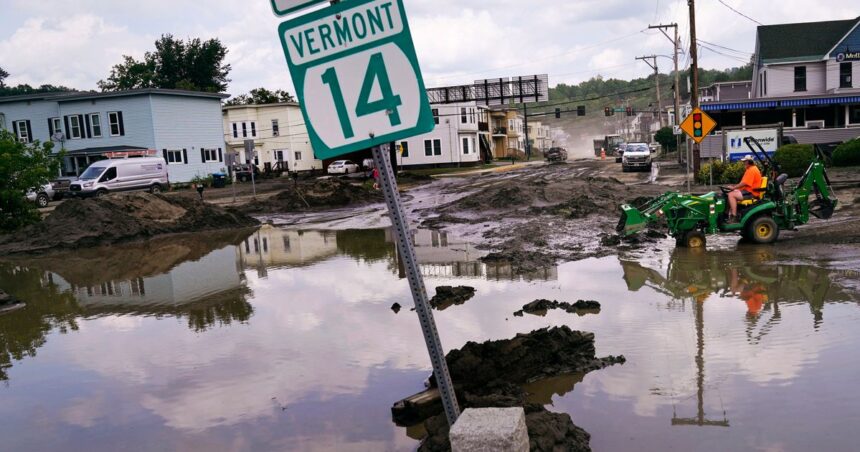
x,y
762,230
691,239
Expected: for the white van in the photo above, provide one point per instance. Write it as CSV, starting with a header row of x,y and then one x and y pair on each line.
x,y
107,176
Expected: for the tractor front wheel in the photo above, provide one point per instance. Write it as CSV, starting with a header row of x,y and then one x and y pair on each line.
x,y
692,239
762,230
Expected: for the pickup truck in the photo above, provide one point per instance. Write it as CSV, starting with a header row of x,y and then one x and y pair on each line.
x,y
636,156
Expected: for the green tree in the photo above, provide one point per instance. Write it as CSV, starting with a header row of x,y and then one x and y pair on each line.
x,y
175,64
261,96
23,167
3,75
666,138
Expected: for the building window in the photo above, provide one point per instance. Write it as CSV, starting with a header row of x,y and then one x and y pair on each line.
x,y
253,129
95,124
244,130
436,116
297,155
799,78
279,156
235,130
432,147
463,116
845,79
854,114
276,131
174,156
54,126
209,155
765,83
465,145
22,131
115,122
74,127
404,148
472,115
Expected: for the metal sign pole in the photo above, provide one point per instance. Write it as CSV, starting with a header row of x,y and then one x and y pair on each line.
x,y
416,282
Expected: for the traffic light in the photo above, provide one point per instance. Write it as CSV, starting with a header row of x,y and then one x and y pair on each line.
x,y
607,111
697,125
629,111
580,110
558,113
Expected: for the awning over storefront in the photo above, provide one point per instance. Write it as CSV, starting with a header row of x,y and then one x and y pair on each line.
x,y
101,151
782,103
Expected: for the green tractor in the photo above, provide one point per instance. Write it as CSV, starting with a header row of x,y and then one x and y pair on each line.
x,y
783,206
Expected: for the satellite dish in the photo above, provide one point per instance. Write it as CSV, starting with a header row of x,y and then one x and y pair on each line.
x,y
58,136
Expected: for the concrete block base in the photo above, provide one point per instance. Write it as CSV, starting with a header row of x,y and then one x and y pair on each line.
x,y
490,429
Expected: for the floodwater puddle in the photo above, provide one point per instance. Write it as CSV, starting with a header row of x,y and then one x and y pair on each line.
x,y
280,339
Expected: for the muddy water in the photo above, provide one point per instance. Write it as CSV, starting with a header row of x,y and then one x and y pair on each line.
x,y
284,340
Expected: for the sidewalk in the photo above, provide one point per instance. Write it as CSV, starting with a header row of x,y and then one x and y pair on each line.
x,y
501,168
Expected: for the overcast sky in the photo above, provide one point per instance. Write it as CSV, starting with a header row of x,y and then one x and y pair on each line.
x,y
75,42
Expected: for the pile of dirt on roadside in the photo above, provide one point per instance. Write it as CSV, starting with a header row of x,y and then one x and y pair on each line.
x,y
541,307
316,194
492,374
447,296
79,223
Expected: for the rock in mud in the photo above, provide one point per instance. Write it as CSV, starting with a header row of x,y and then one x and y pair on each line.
x,y
541,307
396,307
316,194
447,296
78,223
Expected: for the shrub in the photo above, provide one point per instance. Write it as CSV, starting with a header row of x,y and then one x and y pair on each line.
x,y
794,159
23,167
200,180
724,173
733,173
847,154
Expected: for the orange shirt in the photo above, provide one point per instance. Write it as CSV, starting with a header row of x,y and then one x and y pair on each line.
x,y
752,181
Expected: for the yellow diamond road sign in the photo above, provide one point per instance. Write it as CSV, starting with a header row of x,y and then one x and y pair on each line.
x,y
698,125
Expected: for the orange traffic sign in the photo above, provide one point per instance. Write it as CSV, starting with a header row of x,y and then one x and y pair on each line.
x,y
698,125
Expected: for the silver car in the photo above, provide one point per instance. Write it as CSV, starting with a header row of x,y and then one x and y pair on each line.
x,y
43,196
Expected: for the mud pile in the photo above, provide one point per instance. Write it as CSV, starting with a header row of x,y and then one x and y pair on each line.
x,y
492,374
447,296
541,307
316,194
79,223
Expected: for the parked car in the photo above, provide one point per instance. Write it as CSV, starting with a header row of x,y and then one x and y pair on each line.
x,y
636,156
43,196
243,171
105,176
556,155
619,152
343,167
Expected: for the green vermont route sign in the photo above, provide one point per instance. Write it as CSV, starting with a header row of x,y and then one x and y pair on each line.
x,y
284,7
356,76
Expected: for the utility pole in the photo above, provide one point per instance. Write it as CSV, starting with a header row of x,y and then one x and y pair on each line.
x,y
694,68
676,44
653,59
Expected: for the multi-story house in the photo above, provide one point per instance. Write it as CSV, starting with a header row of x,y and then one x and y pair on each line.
x,y
456,139
281,140
183,127
506,126
805,77
540,137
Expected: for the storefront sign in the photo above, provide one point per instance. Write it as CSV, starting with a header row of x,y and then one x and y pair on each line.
x,y
847,56
736,149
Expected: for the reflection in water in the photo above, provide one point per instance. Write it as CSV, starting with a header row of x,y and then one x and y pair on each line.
x,y
748,276
192,277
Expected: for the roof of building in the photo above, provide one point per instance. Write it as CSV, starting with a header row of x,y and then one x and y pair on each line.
x,y
801,41
84,95
104,149
277,104
781,102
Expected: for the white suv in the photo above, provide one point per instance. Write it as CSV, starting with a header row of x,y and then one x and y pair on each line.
x,y
636,155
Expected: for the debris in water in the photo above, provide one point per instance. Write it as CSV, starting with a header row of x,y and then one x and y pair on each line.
x,y
492,374
447,296
8,303
540,307
316,194
396,307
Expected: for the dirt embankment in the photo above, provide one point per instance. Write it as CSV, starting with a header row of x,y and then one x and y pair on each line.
x,y
313,194
493,373
79,223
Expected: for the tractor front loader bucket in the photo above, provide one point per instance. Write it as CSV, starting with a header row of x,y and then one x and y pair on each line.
x,y
632,220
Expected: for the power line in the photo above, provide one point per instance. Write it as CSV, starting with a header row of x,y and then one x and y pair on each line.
x,y
724,47
739,13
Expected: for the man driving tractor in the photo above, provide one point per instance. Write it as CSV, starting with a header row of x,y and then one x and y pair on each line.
x,y
747,189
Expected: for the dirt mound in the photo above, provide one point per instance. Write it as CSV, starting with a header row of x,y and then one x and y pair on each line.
x,y
541,307
492,374
119,218
447,296
316,194
522,261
